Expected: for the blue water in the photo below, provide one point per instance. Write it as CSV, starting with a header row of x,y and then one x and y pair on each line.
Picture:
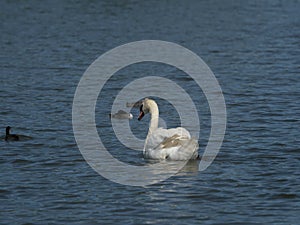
x,y
253,50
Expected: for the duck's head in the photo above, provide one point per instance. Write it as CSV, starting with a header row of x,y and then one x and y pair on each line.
x,y
8,129
130,116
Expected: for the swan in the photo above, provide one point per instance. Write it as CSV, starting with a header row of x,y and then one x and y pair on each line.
x,y
171,144
11,137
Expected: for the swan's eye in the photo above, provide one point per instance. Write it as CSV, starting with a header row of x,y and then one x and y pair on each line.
x,y
141,108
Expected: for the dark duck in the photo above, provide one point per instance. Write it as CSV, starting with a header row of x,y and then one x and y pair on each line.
x,y
11,137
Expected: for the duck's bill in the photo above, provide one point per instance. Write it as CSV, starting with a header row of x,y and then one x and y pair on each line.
x,y
141,115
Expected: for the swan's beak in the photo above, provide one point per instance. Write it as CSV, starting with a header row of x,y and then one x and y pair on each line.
x,y
141,115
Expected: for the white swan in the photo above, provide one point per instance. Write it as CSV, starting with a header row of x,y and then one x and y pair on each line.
x,y
171,144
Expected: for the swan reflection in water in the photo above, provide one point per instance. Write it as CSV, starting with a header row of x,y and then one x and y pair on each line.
x,y
191,167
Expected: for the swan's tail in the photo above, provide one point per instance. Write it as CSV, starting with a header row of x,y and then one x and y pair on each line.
x,y
192,148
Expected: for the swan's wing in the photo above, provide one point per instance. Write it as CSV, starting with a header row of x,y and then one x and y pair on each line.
x,y
179,148
174,144
162,135
182,132
174,141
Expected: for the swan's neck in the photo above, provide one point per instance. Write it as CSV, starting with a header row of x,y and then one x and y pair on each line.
x,y
153,110
154,117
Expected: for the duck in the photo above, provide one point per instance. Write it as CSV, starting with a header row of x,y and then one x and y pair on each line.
x,y
11,137
121,115
166,144
134,104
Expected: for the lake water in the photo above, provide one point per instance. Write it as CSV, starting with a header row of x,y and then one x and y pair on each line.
x,y
252,48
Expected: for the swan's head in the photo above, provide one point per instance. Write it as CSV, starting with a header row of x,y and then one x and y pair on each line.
x,y
147,106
